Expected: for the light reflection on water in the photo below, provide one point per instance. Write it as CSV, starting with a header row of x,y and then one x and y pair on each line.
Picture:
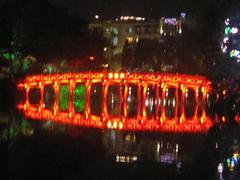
x,y
126,147
176,151
122,107
119,146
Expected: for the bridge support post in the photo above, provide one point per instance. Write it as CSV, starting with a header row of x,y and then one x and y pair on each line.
x,y
144,113
196,89
204,93
27,95
41,104
125,111
139,104
183,94
176,101
88,94
56,94
71,105
163,116
157,104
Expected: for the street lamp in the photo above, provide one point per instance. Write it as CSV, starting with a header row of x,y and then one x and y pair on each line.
x,y
108,51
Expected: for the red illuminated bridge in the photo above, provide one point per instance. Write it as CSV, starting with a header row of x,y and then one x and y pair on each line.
x,y
74,95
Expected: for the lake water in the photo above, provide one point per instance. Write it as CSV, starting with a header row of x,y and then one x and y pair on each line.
x,y
51,148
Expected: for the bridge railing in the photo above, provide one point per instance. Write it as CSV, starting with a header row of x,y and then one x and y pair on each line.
x,y
142,81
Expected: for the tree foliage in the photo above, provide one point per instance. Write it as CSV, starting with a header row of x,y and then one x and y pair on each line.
x,y
211,30
181,53
47,33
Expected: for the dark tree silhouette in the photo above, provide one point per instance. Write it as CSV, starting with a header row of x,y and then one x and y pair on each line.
x,y
211,28
47,32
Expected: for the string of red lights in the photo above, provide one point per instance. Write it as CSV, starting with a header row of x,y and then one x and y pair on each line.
x,y
173,125
142,80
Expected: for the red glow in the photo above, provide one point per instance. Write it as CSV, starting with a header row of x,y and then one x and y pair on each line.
x,y
141,80
189,125
237,118
91,58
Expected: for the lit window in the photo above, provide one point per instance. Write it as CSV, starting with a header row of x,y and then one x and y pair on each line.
x,y
130,39
115,31
137,39
129,30
128,137
115,41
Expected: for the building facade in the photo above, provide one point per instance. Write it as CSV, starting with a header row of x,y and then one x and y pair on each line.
x,y
130,29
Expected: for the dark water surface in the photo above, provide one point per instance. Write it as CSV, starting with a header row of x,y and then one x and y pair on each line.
x,y
33,149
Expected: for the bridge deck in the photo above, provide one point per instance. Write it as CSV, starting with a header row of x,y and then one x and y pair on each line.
x,y
179,123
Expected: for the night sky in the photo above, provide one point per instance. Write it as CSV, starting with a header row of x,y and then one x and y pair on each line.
x,y
115,8
148,8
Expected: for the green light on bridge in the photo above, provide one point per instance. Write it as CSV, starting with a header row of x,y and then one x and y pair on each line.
x,y
79,98
64,97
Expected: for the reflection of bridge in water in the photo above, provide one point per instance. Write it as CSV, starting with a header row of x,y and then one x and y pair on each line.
x,y
129,101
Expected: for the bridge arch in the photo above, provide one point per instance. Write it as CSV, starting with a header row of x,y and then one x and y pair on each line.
x,y
159,83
